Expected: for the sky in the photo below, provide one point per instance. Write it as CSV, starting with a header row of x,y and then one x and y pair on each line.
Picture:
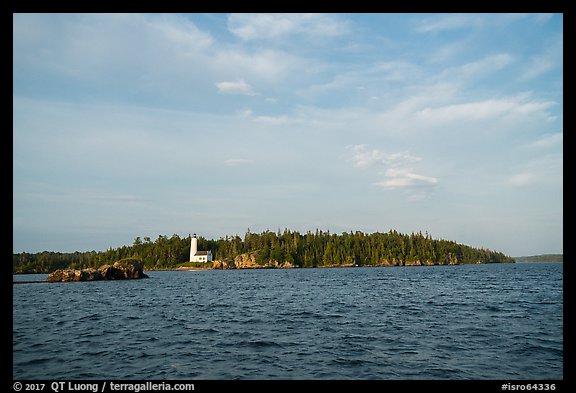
x,y
159,124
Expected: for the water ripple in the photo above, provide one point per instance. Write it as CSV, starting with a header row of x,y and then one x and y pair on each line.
x,y
457,322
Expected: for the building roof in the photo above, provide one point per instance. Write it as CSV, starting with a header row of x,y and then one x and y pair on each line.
x,y
202,253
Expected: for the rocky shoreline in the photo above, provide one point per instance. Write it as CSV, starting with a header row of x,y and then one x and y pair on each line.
x,y
126,269
131,268
248,261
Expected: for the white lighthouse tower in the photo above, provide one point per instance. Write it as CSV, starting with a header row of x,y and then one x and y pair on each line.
x,y
193,247
198,256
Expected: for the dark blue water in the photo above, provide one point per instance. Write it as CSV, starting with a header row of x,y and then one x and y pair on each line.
x,y
440,322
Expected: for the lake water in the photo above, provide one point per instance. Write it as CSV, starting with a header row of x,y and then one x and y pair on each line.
x,y
501,321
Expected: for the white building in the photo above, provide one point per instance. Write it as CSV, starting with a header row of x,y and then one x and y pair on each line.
x,y
198,256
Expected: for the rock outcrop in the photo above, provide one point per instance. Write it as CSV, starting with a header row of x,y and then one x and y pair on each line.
x,y
122,270
245,261
248,261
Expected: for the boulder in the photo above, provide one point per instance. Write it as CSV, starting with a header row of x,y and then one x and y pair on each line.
x,y
62,275
109,272
223,264
121,270
90,274
130,268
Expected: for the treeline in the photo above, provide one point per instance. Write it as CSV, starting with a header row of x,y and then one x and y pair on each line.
x,y
312,249
541,258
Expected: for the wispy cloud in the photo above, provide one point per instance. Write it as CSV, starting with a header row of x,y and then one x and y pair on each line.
x,y
237,87
487,109
482,67
538,66
446,22
449,22
464,109
266,119
363,157
542,63
547,141
394,166
271,26
404,178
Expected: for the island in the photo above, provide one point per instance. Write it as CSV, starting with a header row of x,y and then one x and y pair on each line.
x,y
268,249
541,258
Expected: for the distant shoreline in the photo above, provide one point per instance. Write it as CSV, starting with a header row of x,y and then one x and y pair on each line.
x,y
540,258
539,261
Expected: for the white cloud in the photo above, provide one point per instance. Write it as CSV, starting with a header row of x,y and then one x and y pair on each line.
x,y
394,167
179,31
238,87
364,158
405,178
449,22
448,116
271,120
126,54
446,22
91,45
487,109
268,64
271,26
363,82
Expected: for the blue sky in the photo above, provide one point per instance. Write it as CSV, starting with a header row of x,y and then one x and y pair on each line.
x,y
140,125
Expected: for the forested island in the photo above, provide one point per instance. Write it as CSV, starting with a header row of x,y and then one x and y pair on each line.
x,y
273,249
541,258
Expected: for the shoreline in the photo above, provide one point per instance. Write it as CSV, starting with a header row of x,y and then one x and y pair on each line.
x,y
186,268
193,268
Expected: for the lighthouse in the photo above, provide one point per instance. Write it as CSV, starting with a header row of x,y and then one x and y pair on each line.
x,y
193,247
198,256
